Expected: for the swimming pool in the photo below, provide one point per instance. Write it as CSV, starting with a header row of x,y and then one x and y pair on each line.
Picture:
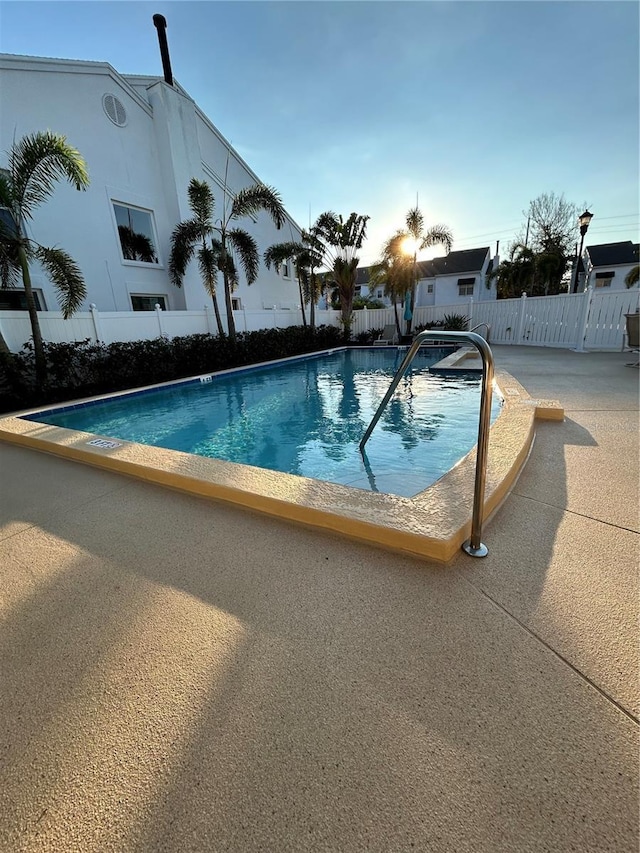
x,y
306,417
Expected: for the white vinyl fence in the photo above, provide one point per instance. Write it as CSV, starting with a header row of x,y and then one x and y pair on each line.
x,y
580,321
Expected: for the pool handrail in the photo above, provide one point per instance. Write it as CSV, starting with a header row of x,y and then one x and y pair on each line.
x,y
487,327
473,546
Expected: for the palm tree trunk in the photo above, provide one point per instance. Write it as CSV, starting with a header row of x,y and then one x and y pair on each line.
x,y
216,310
395,310
304,316
414,286
227,291
38,346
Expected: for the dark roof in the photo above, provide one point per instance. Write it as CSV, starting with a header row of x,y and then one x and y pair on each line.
x,y
362,275
471,260
611,254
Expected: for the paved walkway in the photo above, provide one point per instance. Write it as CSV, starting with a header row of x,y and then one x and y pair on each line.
x,y
177,675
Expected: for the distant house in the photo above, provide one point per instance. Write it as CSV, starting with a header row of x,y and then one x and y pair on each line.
x,y
143,139
607,265
456,277
364,288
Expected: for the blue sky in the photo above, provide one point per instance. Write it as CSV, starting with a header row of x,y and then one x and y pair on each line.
x,y
476,106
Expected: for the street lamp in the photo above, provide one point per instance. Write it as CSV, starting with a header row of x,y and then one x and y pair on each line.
x,y
583,221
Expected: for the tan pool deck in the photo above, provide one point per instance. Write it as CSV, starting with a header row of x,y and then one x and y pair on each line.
x,y
181,675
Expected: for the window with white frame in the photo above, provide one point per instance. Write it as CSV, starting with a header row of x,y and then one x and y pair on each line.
x,y
465,286
136,233
429,288
379,293
236,303
286,272
144,302
15,299
603,279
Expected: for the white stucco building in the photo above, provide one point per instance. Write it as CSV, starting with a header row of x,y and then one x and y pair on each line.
x,y
607,265
455,277
143,139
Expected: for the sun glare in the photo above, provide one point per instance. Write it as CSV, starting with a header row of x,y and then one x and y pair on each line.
x,y
410,245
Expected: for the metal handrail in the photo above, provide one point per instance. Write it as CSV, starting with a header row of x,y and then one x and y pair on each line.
x,y
487,327
473,546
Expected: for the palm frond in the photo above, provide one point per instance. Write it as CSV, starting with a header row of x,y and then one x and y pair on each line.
x,y
437,235
633,276
65,276
246,248
415,223
208,266
326,230
6,189
251,200
37,162
183,242
9,265
277,254
201,202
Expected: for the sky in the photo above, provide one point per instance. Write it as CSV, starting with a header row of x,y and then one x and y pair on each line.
x,y
474,108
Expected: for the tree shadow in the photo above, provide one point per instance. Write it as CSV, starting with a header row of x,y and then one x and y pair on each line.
x,y
364,700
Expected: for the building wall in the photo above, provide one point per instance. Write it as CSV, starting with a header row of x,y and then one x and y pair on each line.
x,y
147,164
445,288
617,282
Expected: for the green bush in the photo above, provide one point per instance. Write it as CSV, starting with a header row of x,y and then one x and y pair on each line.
x,y
364,339
84,369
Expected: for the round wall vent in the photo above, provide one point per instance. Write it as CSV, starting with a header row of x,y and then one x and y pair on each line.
x,y
114,109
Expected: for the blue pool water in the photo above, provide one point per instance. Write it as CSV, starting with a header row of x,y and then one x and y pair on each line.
x,y
307,417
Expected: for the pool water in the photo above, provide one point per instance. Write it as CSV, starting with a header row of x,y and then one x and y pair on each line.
x,y
307,417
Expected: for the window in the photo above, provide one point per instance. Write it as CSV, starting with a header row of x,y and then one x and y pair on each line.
x,y
429,288
285,269
148,303
236,303
603,279
465,286
135,230
16,300
379,293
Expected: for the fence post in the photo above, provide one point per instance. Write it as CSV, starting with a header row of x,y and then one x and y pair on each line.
x,y
584,319
523,307
96,322
159,318
365,314
470,312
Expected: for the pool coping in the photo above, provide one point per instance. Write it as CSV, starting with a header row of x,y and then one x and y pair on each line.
x,y
433,524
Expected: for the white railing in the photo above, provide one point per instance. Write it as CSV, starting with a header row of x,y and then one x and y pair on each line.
x,y
580,321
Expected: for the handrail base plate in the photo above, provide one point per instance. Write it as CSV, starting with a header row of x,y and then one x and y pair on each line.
x,y
480,551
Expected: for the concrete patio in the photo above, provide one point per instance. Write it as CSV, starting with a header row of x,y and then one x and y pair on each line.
x,y
179,675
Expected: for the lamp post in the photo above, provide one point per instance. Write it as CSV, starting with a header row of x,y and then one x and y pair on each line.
x,y
583,220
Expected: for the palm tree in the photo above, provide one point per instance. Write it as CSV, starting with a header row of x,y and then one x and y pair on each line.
x,y
336,241
421,239
228,241
633,276
394,271
197,233
36,163
305,261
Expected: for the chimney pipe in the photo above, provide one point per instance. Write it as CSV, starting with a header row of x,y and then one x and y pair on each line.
x,y
160,23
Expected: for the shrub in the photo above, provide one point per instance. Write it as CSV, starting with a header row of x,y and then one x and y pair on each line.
x,y
455,322
83,369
